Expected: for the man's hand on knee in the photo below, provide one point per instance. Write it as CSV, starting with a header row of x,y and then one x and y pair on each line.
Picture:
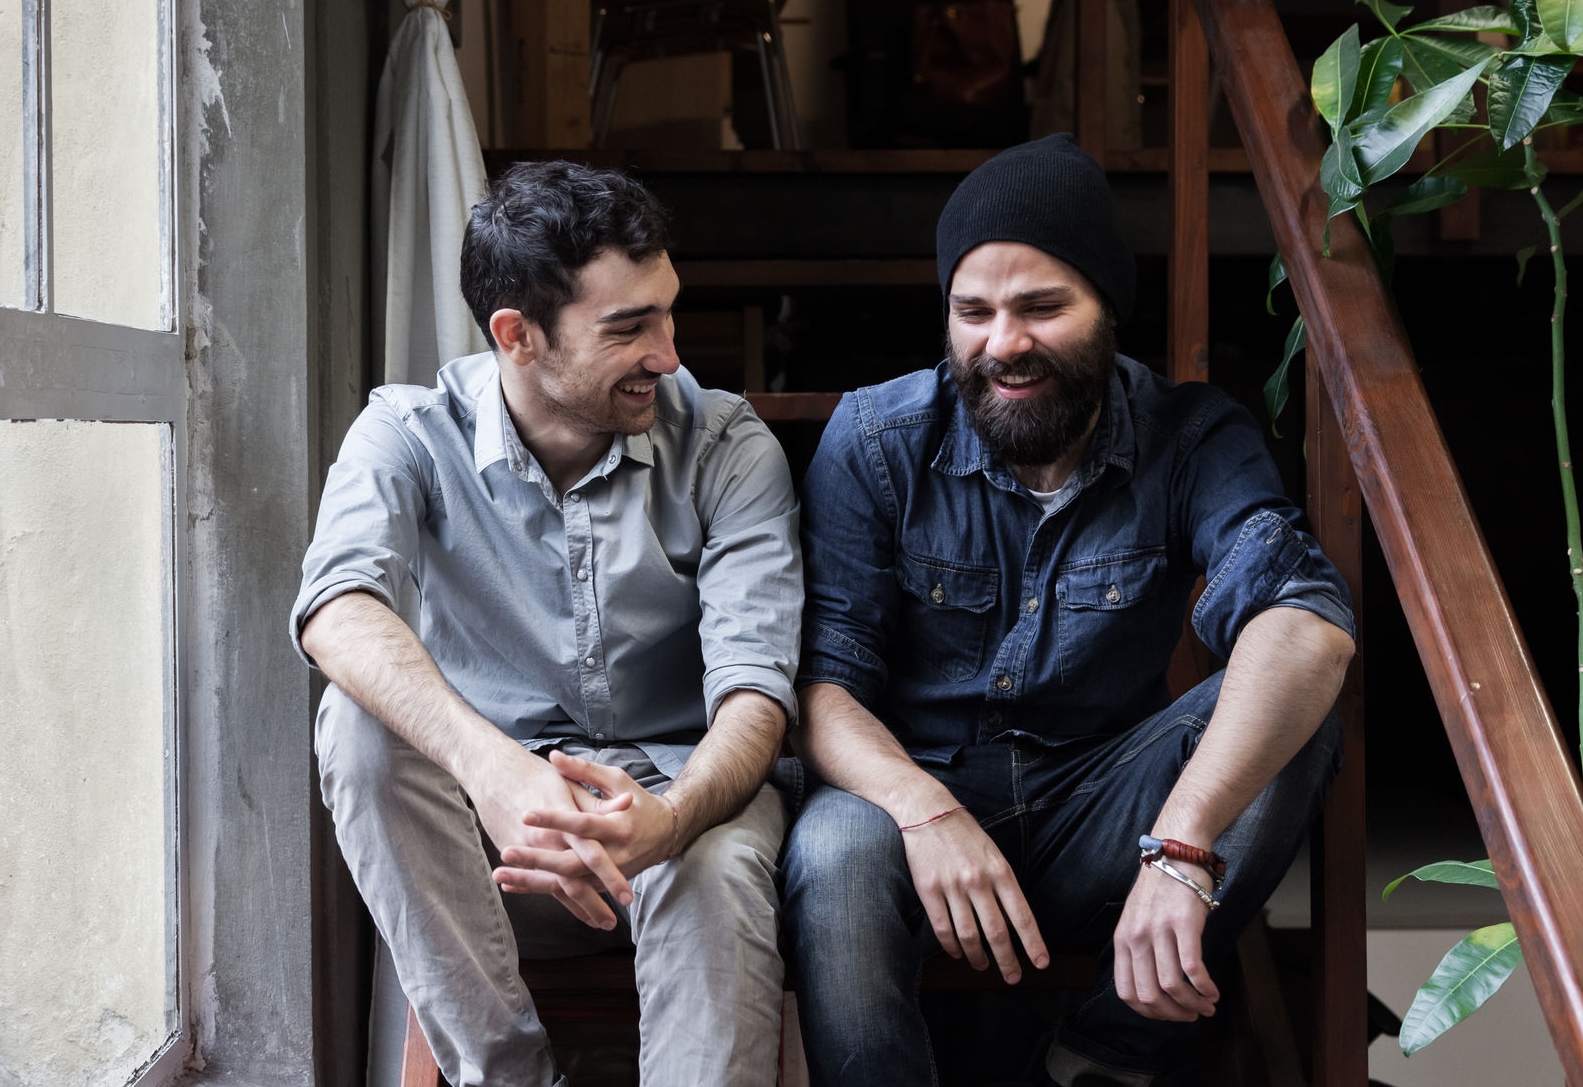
x,y
971,895
1160,972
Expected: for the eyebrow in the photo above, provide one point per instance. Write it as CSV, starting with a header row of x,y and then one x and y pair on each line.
x,y
615,317
1037,294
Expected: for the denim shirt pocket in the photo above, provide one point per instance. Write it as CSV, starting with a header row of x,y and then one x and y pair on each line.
x,y
945,613
1108,610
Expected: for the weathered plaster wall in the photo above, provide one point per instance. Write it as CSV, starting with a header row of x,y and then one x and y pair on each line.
x,y
245,229
85,666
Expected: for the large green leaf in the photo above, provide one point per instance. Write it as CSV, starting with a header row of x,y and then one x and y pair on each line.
x,y
1389,14
1566,108
1278,389
1336,78
1429,62
1277,277
1520,93
1477,873
1563,22
1379,63
1525,17
1467,977
1384,146
1492,170
1338,173
1484,17
1425,194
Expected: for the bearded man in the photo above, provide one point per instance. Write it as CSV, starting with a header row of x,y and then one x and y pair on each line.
x,y
999,554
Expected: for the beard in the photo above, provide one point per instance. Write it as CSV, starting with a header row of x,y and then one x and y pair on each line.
x,y
1042,428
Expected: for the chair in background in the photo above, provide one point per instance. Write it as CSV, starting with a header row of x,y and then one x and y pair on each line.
x,y
629,30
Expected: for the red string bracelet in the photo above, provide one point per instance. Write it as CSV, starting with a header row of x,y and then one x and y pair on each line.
x,y
934,818
1214,863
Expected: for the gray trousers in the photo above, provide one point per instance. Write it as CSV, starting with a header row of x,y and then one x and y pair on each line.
x,y
704,924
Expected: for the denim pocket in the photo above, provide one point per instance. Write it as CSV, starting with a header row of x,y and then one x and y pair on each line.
x,y
945,612
1109,610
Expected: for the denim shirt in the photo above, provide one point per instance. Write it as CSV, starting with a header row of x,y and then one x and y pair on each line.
x,y
621,611
958,611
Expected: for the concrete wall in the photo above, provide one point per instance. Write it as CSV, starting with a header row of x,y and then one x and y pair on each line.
x,y
86,655
246,236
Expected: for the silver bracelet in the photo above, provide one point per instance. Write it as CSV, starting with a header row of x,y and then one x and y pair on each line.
x,y
1181,877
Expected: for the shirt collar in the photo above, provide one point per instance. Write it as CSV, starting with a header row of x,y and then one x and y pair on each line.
x,y
495,439
962,451
490,427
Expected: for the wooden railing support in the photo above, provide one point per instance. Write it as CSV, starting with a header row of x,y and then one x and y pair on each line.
x,y
1514,763
1093,21
1338,887
1187,336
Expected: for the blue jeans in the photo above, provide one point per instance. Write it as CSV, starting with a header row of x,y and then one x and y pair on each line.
x,y
1067,819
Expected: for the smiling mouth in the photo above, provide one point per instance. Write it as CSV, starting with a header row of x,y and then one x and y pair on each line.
x,y
637,388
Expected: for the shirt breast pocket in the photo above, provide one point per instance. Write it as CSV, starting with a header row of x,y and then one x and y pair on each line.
x,y
1110,612
945,614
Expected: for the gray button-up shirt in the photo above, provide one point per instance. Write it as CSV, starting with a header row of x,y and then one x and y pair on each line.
x,y
619,612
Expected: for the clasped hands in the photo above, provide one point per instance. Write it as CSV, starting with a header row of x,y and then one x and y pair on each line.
x,y
972,898
563,840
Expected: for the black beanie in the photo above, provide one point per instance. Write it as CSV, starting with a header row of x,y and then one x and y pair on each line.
x,y
1049,194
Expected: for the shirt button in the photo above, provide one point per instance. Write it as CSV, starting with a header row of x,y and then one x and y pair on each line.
x,y
1003,682
937,594
1113,595
599,735
582,575
574,498
588,661
1033,604
994,717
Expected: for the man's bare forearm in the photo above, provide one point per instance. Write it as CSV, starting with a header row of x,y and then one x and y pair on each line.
x,y
848,747
729,764
1281,681
378,662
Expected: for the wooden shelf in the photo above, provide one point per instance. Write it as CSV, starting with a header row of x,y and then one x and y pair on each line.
x,y
1145,160
787,272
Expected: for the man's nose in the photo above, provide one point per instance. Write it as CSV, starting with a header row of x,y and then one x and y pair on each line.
x,y
662,358
1008,339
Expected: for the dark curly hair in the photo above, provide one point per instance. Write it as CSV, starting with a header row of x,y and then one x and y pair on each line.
x,y
539,225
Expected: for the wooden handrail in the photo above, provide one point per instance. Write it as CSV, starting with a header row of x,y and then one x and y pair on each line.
x,y
1514,763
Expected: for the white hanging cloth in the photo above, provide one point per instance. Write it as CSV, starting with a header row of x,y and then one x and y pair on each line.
x,y
428,172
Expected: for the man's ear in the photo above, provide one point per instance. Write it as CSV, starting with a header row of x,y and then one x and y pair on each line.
x,y
514,336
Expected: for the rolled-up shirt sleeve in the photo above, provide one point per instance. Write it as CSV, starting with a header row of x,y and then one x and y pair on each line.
x,y
1247,536
374,499
750,574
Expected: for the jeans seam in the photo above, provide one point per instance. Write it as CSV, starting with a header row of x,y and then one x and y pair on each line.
x,y
1198,723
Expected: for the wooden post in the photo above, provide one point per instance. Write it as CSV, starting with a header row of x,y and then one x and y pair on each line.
x,y
551,100
1187,336
1092,23
1338,888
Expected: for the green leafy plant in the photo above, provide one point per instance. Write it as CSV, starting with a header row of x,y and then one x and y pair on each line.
x,y
1497,96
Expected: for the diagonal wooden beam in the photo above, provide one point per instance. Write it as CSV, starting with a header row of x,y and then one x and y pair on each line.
x,y
1514,763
